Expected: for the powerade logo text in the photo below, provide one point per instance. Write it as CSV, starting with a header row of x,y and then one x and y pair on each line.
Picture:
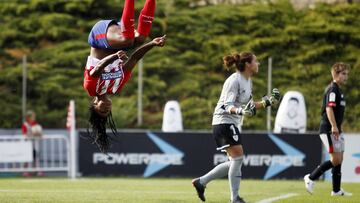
x,y
264,160
276,163
154,161
137,158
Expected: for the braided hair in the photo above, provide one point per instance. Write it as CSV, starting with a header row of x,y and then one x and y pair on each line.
x,y
98,134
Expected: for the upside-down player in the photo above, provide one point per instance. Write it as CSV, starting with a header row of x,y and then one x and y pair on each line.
x,y
105,76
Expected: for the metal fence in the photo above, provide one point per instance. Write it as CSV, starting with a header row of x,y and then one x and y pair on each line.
x,y
51,153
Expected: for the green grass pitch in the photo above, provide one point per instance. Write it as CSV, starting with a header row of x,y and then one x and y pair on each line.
x,y
159,190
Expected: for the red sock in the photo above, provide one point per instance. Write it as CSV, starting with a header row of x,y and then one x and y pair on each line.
x,y
128,19
146,17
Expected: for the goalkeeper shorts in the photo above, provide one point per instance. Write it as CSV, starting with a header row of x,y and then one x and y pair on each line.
x,y
226,135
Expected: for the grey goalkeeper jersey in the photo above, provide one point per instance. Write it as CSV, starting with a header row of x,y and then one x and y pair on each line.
x,y
236,92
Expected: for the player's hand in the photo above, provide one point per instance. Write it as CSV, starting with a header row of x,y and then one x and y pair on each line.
x,y
265,101
335,132
122,55
272,100
275,96
159,41
248,110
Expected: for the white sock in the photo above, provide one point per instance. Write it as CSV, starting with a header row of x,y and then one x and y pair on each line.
x,y
235,176
219,171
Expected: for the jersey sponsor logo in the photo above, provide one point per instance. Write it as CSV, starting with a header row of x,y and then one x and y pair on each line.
x,y
343,103
111,75
332,97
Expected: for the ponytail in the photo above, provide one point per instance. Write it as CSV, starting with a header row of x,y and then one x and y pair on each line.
x,y
229,61
239,60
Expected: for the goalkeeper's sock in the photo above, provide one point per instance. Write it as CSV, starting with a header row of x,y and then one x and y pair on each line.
x,y
336,178
235,176
320,170
219,171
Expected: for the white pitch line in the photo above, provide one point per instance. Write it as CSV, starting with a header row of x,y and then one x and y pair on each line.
x,y
269,200
90,191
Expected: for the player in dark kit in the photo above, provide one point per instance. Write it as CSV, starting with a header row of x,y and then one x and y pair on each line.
x,y
332,111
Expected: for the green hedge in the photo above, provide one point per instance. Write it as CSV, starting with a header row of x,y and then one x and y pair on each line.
x,y
303,44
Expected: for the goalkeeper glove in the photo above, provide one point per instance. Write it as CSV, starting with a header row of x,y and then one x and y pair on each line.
x,y
248,110
274,98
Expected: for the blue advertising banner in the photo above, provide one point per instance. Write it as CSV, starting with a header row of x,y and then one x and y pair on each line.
x,y
159,154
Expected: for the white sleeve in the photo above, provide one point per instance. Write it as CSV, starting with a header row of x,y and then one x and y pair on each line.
x,y
91,62
230,91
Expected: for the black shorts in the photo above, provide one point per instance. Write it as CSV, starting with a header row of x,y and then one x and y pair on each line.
x,y
226,135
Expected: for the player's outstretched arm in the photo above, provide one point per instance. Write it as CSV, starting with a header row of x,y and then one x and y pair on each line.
x,y
141,51
98,69
269,101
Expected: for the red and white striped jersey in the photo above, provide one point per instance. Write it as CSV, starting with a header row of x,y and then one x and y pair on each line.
x,y
111,80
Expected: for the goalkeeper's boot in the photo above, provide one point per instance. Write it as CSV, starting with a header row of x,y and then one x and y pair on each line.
x,y
238,200
341,192
200,189
309,184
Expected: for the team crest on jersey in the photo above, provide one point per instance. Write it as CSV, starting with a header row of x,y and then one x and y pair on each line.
x,y
111,75
332,97
236,137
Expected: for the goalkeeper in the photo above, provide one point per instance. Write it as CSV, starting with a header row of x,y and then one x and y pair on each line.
x,y
235,102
